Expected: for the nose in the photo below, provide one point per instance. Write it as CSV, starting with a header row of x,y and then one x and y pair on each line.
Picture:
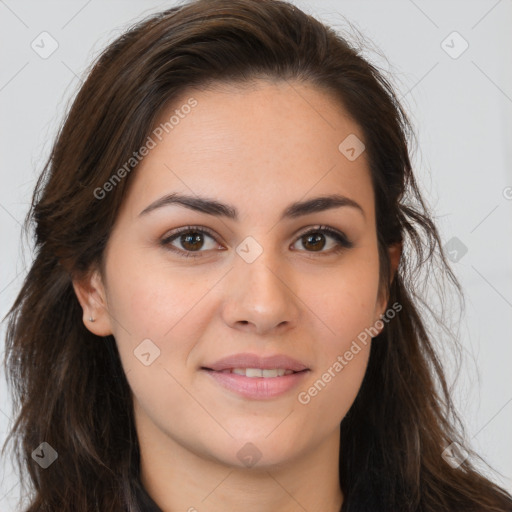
x,y
260,297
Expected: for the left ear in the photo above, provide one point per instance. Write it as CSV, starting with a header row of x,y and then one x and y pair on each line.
x,y
395,252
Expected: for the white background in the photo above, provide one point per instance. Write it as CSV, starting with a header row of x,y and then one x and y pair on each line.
x,y
462,111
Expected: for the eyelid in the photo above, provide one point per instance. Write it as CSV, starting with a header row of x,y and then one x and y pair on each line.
x,y
186,229
323,229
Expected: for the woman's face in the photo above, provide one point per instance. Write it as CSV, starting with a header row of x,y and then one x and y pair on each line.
x,y
255,283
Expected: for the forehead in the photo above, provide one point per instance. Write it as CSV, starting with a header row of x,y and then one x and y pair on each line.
x,y
269,143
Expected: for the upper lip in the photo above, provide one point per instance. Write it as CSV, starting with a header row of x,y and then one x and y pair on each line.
x,y
247,360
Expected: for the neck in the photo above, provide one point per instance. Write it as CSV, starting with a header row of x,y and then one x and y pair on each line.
x,y
178,479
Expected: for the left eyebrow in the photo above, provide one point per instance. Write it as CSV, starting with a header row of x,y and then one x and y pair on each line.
x,y
214,207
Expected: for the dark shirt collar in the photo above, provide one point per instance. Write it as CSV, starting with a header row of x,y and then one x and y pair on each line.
x,y
144,500
146,503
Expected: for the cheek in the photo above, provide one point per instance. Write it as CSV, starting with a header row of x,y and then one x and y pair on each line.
x,y
343,340
330,393
345,306
157,319
343,314
157,315
345,299
152,301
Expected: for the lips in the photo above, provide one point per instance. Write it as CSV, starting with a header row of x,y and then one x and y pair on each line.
x,y
255,377
246,361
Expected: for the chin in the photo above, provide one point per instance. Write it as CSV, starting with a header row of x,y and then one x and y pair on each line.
x,y
260,453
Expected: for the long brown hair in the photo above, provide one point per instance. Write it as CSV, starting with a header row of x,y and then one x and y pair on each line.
x,y
69,387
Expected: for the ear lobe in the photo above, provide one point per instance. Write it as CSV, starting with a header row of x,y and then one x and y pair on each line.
x,y
91,295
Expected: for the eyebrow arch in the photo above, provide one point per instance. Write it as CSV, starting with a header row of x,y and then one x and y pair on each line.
x,y
214,207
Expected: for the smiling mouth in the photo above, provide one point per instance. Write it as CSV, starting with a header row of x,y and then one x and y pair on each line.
x,y
256,372
257,383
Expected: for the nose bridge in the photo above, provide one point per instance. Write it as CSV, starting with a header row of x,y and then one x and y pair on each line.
x,y
258,268
260,288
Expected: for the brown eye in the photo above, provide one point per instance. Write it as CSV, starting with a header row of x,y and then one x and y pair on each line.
x,y
189,240
315,240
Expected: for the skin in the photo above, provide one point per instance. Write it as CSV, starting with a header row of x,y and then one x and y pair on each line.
x,y
291,300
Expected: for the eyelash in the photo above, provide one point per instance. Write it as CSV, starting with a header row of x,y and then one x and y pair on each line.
x,y
342,241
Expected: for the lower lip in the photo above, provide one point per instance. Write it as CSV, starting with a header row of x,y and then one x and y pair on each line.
x,y
258,388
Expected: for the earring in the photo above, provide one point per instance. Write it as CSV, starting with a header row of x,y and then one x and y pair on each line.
x,y
91,319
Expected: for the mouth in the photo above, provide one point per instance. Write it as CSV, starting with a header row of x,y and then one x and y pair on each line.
x,y
257,377
257,372
257,383
256,365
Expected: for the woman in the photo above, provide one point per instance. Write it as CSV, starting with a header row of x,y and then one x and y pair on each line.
x,y
221,313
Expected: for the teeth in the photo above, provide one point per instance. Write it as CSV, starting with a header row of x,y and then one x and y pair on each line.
x,y
258,372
